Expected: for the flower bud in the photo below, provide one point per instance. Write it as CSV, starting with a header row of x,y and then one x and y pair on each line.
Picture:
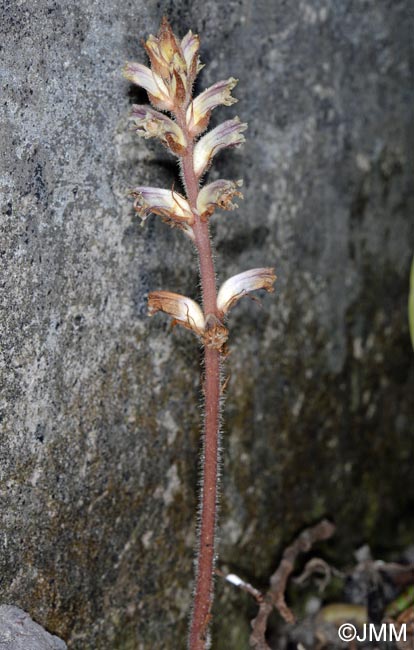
x,y
217,195
150,123
164,51
240,285
167,61
199,110
175,62
228,134
190,46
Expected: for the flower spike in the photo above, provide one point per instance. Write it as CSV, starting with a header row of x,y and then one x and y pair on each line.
x,y
218,194
169,83
199,111
228,134
150,123
240,285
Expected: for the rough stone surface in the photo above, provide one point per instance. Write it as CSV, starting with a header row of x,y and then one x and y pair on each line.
x,y
99,405
19,632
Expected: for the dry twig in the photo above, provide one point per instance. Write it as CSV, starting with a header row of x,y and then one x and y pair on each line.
x,y
318,567
241,584
275,597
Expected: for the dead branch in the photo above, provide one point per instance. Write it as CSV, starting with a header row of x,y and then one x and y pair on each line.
x,y
275,597
322,571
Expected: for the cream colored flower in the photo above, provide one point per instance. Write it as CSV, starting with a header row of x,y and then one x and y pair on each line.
x,y
150,123
218,194
190,46
228,134
199,110
183,310
170,205
188,313
157,90
242,284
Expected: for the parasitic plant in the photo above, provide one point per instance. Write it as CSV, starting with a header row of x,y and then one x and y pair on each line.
x,y
169,83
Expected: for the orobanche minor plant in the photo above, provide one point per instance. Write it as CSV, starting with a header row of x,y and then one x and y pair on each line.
x,y
169,84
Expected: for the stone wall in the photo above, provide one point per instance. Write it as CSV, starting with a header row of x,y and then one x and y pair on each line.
x,y
100,419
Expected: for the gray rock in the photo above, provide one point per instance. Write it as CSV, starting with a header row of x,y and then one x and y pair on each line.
x,y
99,404
19,632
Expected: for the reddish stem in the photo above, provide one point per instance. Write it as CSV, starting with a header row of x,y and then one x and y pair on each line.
x,y
203,595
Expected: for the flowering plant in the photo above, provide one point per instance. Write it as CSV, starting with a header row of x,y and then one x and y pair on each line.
x,y
169,84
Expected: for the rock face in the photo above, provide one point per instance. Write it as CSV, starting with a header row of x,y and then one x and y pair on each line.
x,y
100,420
19,632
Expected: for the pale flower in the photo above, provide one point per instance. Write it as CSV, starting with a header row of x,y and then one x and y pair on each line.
x,y
227,134
157,90
199,110
170,205
218,194
242,284
183,310
150,123
190,46
188,313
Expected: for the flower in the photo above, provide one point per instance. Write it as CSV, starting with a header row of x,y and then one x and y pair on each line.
x,y
150,123
217,195
227,134
170,205
157,90
199,110
174,66
240,285
167,60
183,310
188,313
164,51
190,46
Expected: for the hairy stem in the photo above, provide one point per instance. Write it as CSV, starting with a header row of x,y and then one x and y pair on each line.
x,y
203,595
